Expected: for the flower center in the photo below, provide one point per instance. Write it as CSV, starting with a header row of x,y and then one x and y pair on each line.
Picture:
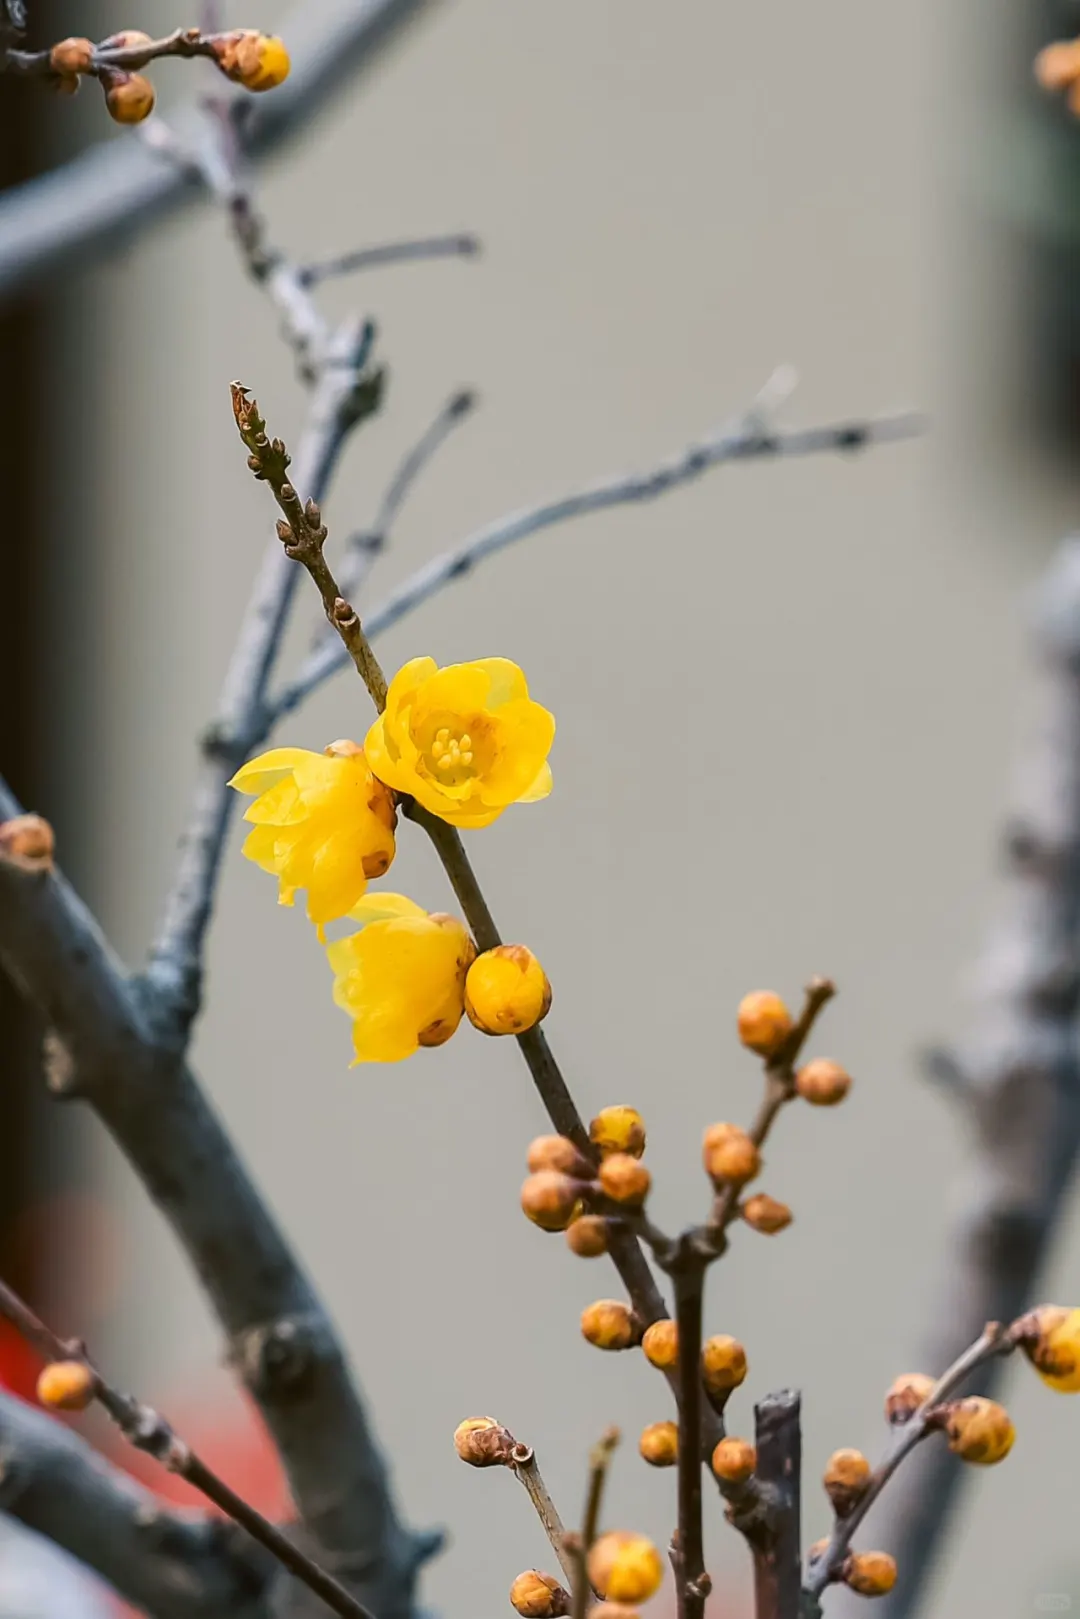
x,y
451,755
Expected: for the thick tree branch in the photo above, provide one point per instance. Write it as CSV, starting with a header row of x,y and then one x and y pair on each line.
x,y
745,442
1017,1081
280,1339
171,1564
777,1559
101,199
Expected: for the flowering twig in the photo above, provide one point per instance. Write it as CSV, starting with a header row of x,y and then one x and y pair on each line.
x,y
169,1562
1015,1081
147,1430
581,1545
184,42
992,1342
460,245
742,442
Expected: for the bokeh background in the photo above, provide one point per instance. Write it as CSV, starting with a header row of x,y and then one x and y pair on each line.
x,y
789,699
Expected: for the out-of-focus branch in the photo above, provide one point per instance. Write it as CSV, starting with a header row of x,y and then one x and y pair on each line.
x,y
777,1557
280,1339
1016,1082
171,1564
744,442
101,199
457,245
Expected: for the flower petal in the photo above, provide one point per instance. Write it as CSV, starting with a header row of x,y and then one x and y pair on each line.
x,y
279,805
405,683
268,769
508,684
382,907
540,788
336,880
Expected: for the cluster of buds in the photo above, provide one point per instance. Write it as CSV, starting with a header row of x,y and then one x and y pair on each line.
x,y
766,1027
255,60
561,1180
979,1431
1057,70
723,1358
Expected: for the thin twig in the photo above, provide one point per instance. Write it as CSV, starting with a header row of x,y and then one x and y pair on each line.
x,y
183,42
581,1545
995,1340
170,1562
524,1464
461,245
692,1583
147,1430
740,443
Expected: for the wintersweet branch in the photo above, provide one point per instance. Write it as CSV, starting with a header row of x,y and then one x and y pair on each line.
x,y
744,442
459,245
147,1430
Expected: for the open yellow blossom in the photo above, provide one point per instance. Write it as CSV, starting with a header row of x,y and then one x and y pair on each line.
x,y
465,741
322,822
401,978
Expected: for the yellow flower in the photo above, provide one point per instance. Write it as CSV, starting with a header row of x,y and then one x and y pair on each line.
x,y
465,741
401,978
322,822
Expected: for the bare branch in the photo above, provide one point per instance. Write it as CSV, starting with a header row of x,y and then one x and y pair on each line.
x,y
280,1339
102,198
581,1545
460,245
777,1565
1021,1082
692,1583
741,443
171,1564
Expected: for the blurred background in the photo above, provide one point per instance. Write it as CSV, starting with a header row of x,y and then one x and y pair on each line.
x,y
789,699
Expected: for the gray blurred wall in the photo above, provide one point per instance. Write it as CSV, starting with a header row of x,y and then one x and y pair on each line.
x,y
787,698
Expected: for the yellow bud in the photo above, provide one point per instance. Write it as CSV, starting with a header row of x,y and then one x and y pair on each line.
x,y
625,1567
723,1363
822,1082
483,1442
624,1179
845,1479
734,1460
905,1395
1058,65
538,1596
765,1214
618,1129
558,1152
506,990
872,1574
764,1022
128,96
1051,1341
587,1236
66,1385
979,1430
659,1444
72,56
27,838
661,1344
729,1155
610,1324
257,61
550,1199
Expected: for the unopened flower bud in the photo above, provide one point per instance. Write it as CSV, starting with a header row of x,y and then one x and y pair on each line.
x,y
766,1214
624,1179
764,1022
822,1082
539,1596
659,1444
550,1199
872,1574
729,1155
66,1385
618,1129
612,1610
979,1430
1058,65
845,1479
27,838
558,1152
257,61
734,1460
72,56
661,1344
625,1567
506,991
1050,1338
905,1395
587,1236
723,1363
128,96
610,1324
483,1442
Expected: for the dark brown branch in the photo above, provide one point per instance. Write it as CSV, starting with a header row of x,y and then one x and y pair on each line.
x,y
169,1563
147,1430
692,1584
777,1559
183,42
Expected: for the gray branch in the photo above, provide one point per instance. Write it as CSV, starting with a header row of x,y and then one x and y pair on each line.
x,y
745,442
279,1336
100,199
172,1564
1018,1082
